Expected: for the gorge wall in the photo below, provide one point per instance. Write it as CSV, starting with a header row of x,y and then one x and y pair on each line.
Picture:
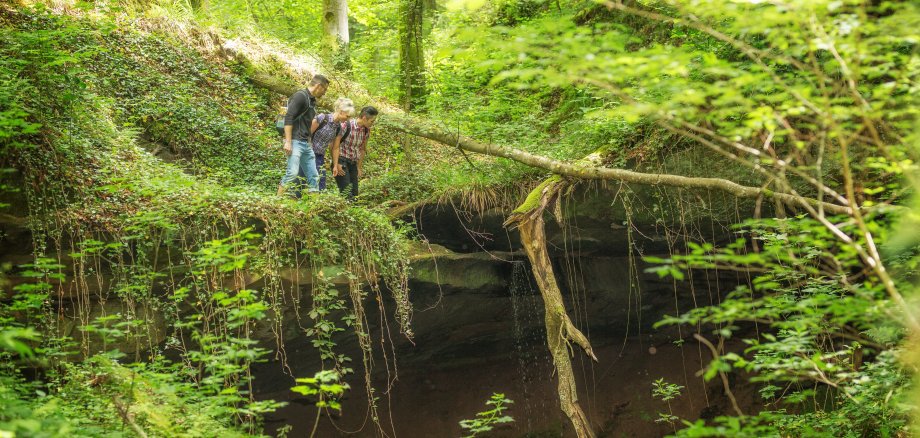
x,y
479,324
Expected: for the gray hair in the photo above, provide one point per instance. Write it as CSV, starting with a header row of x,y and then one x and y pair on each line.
x,y
345,105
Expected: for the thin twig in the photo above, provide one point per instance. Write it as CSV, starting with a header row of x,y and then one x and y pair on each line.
x,y
728,390
125,414
463,152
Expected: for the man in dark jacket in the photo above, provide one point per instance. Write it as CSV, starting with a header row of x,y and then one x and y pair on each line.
x,y
301,110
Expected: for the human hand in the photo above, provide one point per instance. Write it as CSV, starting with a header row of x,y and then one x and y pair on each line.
x,y
288,149
337,170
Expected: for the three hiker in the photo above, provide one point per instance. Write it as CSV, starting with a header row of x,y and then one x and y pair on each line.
x,y
298,120
308,137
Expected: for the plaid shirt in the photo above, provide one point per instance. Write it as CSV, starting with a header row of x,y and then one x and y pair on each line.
x,y
352,147
324,136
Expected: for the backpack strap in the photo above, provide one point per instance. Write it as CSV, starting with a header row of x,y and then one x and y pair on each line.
x,y
347,131
323,120
306,109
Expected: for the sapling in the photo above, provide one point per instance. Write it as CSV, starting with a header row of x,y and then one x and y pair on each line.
x,y
666,392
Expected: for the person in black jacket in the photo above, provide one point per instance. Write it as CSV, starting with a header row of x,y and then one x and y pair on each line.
x,y
301,110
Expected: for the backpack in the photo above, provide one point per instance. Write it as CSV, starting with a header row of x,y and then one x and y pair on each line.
x,y
324,119
279,121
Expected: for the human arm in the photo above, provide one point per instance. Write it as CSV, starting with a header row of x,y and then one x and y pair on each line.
x,y
288,133
362,152
336,168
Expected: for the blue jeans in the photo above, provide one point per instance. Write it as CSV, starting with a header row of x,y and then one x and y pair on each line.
x,y
320,160
301,158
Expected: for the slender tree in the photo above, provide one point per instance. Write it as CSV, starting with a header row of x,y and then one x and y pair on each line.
x,y
411,53
335,29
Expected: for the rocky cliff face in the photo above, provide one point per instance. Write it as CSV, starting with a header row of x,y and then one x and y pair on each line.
x,y
479,321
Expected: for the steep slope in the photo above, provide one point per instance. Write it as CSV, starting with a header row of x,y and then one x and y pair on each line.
x,y
122,252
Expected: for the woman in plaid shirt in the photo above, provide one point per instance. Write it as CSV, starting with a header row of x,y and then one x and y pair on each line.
x,y
327,132
350,153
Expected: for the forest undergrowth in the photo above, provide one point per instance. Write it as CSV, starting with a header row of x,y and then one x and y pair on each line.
x,y
143,268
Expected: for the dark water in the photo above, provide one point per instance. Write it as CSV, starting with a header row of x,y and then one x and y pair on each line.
x,y
473,344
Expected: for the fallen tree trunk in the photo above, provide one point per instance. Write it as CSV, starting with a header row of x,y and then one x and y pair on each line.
x,y
560,331
586,171
271,83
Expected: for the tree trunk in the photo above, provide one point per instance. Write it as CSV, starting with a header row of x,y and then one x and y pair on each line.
x,y
335,29
590,171
560,330
411,53
335,21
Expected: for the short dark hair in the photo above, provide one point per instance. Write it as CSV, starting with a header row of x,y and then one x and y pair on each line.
x,y
368,111
319,80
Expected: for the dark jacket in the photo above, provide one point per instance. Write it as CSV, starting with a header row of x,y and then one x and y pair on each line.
x,y
301,104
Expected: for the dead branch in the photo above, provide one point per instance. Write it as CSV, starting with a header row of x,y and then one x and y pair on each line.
x,y
560,331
